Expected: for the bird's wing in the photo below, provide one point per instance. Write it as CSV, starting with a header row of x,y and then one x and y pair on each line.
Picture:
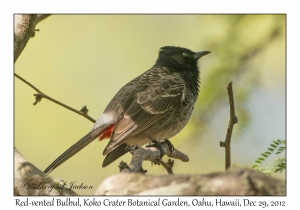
x,y
162,93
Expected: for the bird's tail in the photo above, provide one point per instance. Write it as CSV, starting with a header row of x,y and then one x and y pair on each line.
x,y
84,141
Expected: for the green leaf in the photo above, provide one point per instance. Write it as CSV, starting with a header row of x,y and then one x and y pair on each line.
x,y
273,145
278,165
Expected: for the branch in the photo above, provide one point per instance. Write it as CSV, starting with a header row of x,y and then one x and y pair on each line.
x,y
151,154
232,182
29,180
24,30
40,95
233,119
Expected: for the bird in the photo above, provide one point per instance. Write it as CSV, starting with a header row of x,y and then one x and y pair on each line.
x,y
154,106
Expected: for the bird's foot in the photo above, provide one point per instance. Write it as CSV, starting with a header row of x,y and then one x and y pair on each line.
x,y
156,144
131,148
171,147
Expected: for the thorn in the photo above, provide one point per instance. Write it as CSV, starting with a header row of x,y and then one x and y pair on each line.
x,y
84,110
123,165
38,98
222,144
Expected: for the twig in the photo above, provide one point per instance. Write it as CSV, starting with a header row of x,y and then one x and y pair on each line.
x,y
168,166
233,119
40,95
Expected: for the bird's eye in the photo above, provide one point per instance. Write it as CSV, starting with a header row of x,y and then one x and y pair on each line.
x,y
184,54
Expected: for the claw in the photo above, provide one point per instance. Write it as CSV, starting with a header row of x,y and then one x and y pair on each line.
x,y
131,148
156,144
170,145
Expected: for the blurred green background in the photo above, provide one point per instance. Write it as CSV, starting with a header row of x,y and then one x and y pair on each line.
x,y
85,59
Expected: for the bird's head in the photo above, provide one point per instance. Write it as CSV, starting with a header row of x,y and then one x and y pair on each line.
x,y
178,58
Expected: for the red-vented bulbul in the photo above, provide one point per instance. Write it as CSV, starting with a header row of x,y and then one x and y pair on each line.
x,y
154,106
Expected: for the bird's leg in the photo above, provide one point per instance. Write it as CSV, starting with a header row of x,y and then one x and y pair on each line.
x,y
171,147
156,144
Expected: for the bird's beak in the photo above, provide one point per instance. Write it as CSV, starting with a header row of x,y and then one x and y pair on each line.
x,y
200,54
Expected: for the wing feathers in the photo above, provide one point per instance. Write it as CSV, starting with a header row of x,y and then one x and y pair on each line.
x,y
151,104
